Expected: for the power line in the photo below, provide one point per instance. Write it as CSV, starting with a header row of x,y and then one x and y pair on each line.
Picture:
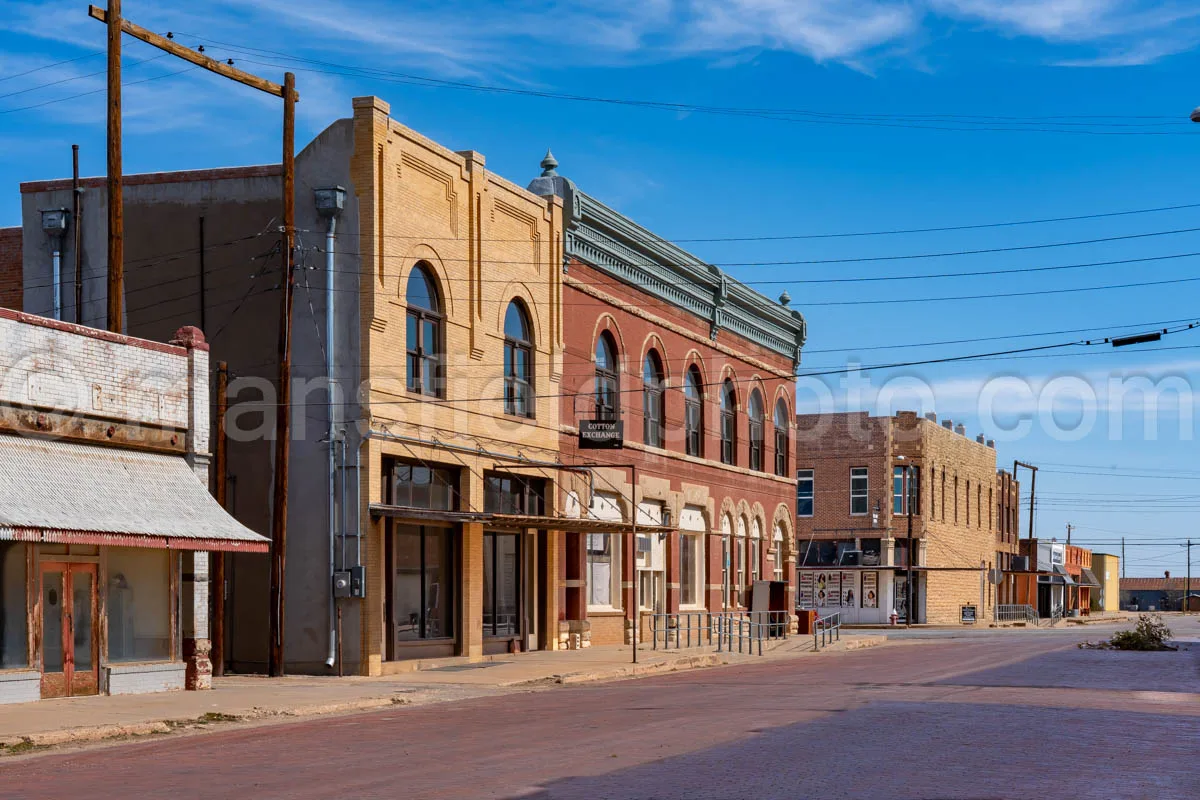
x,y
92,54
95,91
75,78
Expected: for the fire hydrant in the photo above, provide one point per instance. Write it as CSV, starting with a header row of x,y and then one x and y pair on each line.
x,y
894,618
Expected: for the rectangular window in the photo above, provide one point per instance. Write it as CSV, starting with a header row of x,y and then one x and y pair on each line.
x,y
955,499
898,504
513,494
858,491
423,583
978,506
805,492
432,488
139,604
691,557
943,494
14,628
604,570
501,584
755,562
694,433
739,555
777,559
967,500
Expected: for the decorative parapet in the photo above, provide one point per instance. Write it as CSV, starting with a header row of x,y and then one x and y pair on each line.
x,y
611,242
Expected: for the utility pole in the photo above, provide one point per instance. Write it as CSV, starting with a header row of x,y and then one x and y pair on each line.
x,y
910,612
1122,556
1187,586
1069,526
76,207
221,468
1032,495
116,199
117,26
283,412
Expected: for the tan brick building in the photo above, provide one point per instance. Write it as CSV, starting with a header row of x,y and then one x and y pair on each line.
x,y
857,475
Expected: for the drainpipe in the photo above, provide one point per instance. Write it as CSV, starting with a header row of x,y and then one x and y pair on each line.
x,y
54,223
329,204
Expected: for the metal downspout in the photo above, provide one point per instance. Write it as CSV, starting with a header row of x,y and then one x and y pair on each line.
x,y
330,239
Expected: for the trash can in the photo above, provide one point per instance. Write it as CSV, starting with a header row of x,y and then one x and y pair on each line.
x,y
808,621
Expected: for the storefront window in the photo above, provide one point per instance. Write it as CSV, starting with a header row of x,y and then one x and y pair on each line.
x,y
513,494
139,604
691,557
604,569
501,584
14,629
431,488
423,587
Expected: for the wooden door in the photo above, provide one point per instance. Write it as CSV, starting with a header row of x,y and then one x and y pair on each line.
x,y
70,642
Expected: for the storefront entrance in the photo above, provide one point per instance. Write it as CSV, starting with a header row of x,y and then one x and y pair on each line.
x,y
70,644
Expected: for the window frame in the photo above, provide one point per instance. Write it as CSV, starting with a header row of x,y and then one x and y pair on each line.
x,y
728,423
757,425
864,494
693,412
654,401
607,379
419,353
517,386
782,438
811,478
906,488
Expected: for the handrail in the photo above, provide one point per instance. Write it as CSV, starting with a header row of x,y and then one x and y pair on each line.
x,y
1017,612
828,629
680,629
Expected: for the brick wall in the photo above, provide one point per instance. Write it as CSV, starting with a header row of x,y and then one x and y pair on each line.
x,y
12,278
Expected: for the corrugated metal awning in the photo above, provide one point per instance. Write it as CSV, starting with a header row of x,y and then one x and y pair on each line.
x,y
55,491
1088,578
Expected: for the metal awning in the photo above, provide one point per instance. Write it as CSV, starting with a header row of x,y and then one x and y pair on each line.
x,y
1088,578
1061,572
66,492
514,521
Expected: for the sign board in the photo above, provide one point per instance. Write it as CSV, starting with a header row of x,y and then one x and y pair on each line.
x,y
850,592
870,590
968,614
601,434
806,590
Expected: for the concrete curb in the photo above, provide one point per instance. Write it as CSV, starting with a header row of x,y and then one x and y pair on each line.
x,y
628,671
99,733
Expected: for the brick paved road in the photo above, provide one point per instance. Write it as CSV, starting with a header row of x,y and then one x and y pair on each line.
x,y
1012,716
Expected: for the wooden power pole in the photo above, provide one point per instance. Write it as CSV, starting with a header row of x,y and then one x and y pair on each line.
x,y
116,200
117,26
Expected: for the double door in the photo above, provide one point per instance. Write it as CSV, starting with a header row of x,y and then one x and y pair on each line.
x,y
69,629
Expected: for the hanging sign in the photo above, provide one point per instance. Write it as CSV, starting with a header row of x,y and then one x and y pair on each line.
x,y
870,590
601,434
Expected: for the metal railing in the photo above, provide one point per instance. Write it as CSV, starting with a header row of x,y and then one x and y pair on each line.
x,y
681,629
1056,616
828,629
1017,613
749,629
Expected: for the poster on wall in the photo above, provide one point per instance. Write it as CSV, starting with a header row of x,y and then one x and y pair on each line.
x,y
850,590
870,590
806,590
829,589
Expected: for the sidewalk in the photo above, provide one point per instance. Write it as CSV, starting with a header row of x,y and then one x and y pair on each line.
x,y
248,699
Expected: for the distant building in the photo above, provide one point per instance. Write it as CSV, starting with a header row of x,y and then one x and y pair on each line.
x,y
1107,569
857,475
1156,594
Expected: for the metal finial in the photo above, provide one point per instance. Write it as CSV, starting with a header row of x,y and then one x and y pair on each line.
x,y
785,298
549,165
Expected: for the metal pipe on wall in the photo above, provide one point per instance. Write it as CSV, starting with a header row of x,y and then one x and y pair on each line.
x,y
330,241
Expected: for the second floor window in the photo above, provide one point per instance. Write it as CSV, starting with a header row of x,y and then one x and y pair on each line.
x,y
607,381
425,342
653,405
756,431
858,490
518,362
728,423
693,413
781,438
805,492
905,489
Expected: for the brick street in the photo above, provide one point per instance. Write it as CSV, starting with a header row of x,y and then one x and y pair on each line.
x,y
987,715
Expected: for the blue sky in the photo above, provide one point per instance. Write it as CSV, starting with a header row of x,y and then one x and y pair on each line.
x,y
888,77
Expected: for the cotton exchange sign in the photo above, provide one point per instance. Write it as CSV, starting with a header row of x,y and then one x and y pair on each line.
x,y
601,434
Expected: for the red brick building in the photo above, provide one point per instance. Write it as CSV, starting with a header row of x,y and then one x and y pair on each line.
x,y
700,371
12,289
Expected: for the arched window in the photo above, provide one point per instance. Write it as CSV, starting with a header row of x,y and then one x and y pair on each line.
x,y
781,438
693,416
607,378
518,362
728,423
755,557
425,341
726,544
653,406
756,431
